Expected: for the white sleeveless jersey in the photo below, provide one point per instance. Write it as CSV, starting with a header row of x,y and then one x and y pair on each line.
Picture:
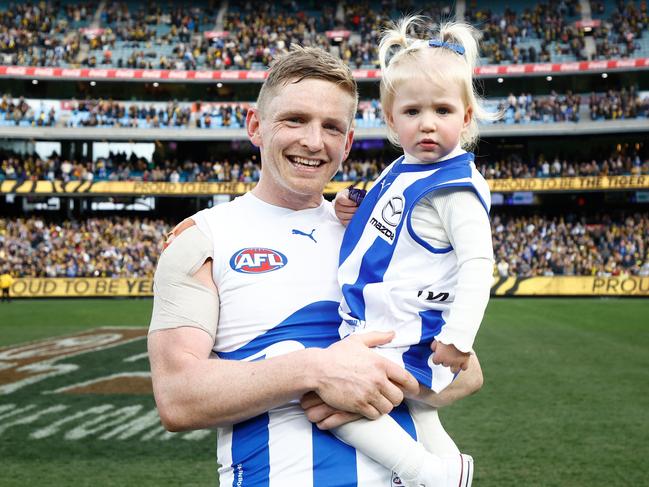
x,y
275,272
391,279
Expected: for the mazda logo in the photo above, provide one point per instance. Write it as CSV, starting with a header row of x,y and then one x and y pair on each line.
x,y
393,211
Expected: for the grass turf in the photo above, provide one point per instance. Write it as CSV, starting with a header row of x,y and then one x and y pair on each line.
x,y
33,319
564,403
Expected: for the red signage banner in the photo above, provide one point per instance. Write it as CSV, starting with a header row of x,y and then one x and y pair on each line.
x,y
338,34
258,76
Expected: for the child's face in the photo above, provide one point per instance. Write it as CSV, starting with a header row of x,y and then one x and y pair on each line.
x,y
428,118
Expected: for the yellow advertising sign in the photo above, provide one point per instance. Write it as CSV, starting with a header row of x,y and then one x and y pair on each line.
x,y
511,286
571,286
81,287
570,184
137,188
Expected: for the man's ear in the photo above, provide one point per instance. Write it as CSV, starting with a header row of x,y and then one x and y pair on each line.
x,y
348,143
253,123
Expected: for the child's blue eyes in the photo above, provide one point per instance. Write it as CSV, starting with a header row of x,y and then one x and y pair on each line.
x,y
441,111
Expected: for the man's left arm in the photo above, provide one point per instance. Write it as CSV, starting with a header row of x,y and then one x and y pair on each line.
x,y
467,382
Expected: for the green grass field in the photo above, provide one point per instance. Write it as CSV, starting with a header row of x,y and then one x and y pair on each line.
x,y
565,400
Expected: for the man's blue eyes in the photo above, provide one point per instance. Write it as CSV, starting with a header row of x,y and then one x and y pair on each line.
x,y
299,121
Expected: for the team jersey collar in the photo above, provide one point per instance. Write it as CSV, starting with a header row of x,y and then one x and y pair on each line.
x,y
407,163
280,210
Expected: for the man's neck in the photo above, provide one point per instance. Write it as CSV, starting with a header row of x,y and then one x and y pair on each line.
x,y
292,202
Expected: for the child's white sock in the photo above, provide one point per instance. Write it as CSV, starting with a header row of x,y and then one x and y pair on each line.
x,y
418,467
387,443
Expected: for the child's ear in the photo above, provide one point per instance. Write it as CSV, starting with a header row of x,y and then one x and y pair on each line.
x,y
468,116
389,119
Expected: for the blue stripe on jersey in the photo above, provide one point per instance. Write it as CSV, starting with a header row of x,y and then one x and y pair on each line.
x,y
401,415
415,359
334,462
362,215
377,258
250,453
374,264
315,325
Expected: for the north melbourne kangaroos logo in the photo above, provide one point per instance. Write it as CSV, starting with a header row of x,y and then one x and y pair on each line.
x,y
257,260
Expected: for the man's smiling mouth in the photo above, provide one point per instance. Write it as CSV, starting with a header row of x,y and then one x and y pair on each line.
x,y
303,161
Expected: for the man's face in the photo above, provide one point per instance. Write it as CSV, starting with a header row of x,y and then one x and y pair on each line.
x,y
304,134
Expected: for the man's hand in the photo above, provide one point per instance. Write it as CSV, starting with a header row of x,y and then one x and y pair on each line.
x,y
449,356
324,416
344,207
353,378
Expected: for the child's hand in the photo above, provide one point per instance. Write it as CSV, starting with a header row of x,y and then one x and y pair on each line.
x,y
344,207
450,356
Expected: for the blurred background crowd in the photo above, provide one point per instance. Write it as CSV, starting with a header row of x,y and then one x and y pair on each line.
x,y
246,169
605,234
526,246
248,35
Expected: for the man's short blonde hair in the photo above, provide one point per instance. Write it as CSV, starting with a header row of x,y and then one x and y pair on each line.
x,y
302,63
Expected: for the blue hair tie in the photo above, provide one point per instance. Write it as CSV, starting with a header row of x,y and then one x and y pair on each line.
x,y
457,48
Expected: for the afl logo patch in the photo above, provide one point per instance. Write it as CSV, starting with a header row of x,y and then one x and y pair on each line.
x,y
257,260
393,210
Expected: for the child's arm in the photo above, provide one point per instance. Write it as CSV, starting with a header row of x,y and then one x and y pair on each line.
x,y
466,225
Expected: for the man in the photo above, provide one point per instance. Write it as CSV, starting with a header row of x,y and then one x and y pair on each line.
x,y
6,281
264,268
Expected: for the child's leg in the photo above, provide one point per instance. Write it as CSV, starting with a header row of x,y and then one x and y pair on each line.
x,y
430,431
385,442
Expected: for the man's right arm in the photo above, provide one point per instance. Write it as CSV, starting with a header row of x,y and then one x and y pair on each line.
x,y
195,390
467,383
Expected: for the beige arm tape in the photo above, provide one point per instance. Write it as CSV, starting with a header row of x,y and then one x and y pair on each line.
x,y
178,298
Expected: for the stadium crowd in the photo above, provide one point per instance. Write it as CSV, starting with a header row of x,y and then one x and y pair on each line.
x,y
530,35
623,104
526,108
249,35
16,111
622,29
360,167
42,33
173,114
96,247
627,103
571,245
108,113
523,246
513,166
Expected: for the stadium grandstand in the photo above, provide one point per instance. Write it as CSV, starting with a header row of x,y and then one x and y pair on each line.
x,y
120,119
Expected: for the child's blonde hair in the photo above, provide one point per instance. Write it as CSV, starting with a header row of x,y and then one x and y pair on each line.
x,y
403,56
